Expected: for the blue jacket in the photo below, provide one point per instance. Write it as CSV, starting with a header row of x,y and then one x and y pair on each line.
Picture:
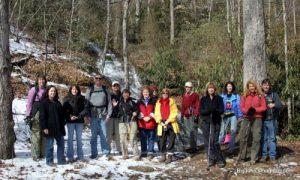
x,y
235,104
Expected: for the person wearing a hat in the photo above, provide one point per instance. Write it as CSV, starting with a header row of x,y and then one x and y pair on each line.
x,y
113,124
189,112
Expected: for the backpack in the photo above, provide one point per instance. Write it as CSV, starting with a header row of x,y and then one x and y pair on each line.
x,y
106,96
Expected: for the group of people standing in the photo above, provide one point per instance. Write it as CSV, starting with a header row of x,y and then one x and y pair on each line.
x,y
115,115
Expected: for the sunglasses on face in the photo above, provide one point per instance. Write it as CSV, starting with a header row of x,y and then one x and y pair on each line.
x,y
98,78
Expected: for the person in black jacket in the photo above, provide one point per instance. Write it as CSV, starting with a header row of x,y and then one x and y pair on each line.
x,y
53,125
270,122
128,126
112,125
74,108
211,108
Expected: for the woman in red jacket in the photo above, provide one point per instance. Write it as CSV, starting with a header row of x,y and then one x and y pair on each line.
x,y
253,106
146,123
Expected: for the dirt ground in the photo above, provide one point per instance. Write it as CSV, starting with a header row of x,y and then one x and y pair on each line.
x,y
287,166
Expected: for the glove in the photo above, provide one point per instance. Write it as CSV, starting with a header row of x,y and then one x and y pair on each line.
x,y
251,112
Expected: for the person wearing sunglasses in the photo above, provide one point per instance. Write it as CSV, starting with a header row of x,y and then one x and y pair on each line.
x,y
167,126
99,107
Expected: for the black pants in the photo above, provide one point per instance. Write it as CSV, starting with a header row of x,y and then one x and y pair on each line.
x,y
166,142
215,154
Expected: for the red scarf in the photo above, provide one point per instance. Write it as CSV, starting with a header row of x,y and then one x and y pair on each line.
x,y
165,108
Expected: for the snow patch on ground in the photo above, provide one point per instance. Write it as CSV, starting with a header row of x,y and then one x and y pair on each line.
x,y
23,167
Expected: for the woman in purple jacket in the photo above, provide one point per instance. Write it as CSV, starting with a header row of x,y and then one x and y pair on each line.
x,y
32,116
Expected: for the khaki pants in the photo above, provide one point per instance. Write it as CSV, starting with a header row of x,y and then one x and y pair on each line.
x,y
247,127
37,139
113,133
190,132
128,129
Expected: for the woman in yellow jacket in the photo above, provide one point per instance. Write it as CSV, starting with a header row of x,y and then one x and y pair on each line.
x,y
167,126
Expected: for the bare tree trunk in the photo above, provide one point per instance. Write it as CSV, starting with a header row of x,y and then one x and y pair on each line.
x,y
269,20
254,65
227,17
70,30
125,14
7,134
210,10
286,64
194,6
46,39
12,12
103,55
118,10
232,7
137,19
19,15
276,11
172,28
294,17
239,17
148,7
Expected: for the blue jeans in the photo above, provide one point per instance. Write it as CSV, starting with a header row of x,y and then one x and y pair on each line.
x,y
233,126
147,137
98,125
275,121
60,150
268,139
77,128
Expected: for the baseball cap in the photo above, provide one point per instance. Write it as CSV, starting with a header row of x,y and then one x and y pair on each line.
x,y
188,84
115,82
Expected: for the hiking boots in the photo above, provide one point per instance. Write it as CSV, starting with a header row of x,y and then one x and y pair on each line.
x,y
263,159
125,154
150,157
169,159
163,158
93,156
211,162
221,164
125,157
136,158
272,161
35,158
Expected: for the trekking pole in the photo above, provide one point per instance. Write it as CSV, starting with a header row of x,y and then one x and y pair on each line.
x,y
209,141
